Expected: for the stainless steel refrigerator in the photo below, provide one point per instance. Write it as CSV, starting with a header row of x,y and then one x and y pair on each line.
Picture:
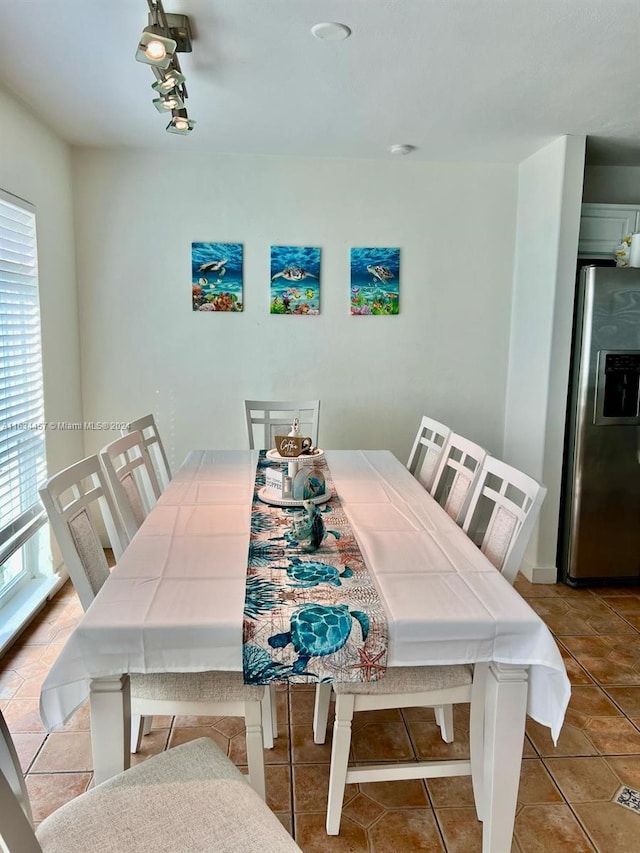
x,y
600,538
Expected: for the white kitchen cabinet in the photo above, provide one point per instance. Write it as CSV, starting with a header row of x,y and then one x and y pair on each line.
x,y
602,227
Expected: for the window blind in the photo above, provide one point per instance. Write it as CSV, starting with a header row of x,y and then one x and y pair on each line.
x,y
22,440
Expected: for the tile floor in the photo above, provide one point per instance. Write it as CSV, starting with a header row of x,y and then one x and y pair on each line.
x,y
566,793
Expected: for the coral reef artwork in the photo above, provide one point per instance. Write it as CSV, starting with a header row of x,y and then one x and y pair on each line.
x,y
216,276
295,280
375,281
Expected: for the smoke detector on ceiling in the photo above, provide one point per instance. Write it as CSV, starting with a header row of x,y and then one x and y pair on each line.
x,y
402,149
331,31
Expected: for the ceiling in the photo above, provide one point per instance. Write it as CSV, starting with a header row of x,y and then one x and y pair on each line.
x,y
462,80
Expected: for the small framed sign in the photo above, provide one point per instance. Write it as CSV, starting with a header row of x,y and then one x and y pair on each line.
x,y
291,446
275,482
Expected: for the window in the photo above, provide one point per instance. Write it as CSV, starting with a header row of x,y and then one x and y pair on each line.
x,y
22,444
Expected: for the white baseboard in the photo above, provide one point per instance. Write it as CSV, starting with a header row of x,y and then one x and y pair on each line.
x,y
540,574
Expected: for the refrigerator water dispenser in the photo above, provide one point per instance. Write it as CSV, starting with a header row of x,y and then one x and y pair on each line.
x,y
617,399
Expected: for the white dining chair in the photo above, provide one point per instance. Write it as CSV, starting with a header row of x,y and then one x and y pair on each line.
x,y
132,479
268,418
428,447
402,687
77,499
190,798
154,446
503,510
504,507
457,472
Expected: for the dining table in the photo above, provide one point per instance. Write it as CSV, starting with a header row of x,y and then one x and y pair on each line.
x,y
174,603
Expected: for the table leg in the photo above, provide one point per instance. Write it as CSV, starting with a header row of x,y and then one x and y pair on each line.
x,y
505,715
110,702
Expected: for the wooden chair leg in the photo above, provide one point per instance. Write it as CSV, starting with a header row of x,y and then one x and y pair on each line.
x,y
137,730
444,719
140,726
274,710
321,712
255,748
269,716
339,761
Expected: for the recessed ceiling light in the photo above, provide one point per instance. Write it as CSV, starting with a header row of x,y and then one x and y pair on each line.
x,y
331,31
402,149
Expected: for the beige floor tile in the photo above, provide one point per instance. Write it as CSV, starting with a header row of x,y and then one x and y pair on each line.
x,y
49,791
387,741
568,624
10,683
428,742
611,624
19,657
80,721
612,828
407,830
577,675
451,792
65,751
461,829
286,819
592,701
542,829
152,744
27,746
536,786
39,633
304,750
613,735
311,787
409,793
626,768
23,715
278,786
30,687
278,755
363,810
627,698
311,836
572,740
626,604
583,780
185,735
301,704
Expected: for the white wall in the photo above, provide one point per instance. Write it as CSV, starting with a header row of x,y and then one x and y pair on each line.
x,y
612,184
143,349
549,198
36,165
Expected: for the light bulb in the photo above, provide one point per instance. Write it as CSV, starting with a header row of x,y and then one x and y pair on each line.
x,y
155,50
181,124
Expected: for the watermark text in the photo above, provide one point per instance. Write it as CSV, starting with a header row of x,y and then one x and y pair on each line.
x,y
62,426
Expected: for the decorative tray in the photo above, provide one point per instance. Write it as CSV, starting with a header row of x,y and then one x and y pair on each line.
x,y
303,459
266,498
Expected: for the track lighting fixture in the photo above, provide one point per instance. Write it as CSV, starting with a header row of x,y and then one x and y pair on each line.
x,y
168,102
180,122
165,36
155,48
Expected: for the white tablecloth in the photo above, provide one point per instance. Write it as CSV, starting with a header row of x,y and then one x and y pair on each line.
x,y
175,600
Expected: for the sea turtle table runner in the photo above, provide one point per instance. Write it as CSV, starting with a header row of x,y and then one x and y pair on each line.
x,y
309,616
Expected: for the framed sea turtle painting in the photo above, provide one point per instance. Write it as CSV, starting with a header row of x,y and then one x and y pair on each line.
x,y
295,280
375,281
216,276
